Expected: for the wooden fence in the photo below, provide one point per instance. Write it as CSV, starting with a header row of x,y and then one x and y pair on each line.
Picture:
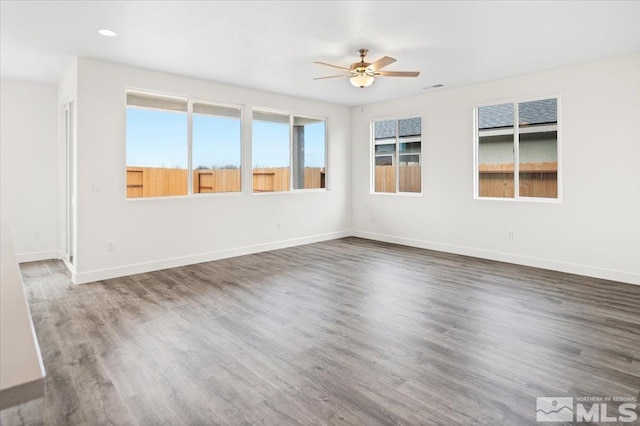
x,y
217,180
155,182
536,180
496,180
271,179
385,180
314,178
158,182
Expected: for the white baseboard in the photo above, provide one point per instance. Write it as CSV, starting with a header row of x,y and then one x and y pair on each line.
x,y
120,271
554,265
37,255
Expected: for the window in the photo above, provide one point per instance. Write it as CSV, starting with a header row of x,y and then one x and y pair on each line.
x,y
289,152
178,146
308,153
158,142
517,150
157,146
397,153
217,148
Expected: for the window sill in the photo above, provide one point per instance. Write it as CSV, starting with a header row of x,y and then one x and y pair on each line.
x,y
292,192
188,196
521,199
227,195
398,194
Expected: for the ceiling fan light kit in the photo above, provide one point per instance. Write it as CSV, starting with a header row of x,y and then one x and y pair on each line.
x,y
362,74
362,80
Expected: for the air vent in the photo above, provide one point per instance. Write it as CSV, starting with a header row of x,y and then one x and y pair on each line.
x,y
435,86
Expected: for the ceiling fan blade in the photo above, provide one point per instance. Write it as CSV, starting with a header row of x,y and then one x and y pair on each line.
x,y
333,66
332,76
397,73
382,62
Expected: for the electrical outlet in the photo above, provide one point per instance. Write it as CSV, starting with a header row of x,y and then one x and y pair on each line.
x,y
111,247
36,235
510,235
278,226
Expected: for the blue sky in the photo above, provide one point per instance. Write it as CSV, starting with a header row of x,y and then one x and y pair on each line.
x,y
216,141
159,139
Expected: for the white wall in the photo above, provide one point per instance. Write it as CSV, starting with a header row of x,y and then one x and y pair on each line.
x,y
29,190
156,233
594,231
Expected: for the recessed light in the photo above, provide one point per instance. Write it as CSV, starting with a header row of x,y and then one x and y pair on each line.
x,y
108,33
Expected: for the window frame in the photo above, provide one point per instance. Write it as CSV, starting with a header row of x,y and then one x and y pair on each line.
x,y
190,102
241,108
292,116
153,93
396,155
516,150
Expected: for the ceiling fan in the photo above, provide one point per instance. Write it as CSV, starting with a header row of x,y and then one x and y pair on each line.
x,y
362,74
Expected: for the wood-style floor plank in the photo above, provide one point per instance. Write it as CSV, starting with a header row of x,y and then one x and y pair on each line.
x,y
348,331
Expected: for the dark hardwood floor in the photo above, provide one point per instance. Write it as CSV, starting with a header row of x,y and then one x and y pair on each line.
x,y
341,332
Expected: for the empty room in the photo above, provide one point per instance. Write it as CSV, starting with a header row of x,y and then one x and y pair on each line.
x,y
319,213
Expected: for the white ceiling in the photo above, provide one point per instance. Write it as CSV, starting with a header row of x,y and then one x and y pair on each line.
x,y
271,45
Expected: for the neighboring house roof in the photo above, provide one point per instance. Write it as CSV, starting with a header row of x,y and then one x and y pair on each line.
x,y
533,112
406,127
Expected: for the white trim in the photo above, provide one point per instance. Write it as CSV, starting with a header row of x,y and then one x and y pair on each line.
x,y
246,156
560,119
476,149
290,192
516,151
191,169
516,130
538,129
395,159
327,180
398,194
411,139
151,92
70,181
495,132
62,171
396,166
291,152
71,268
190,148
128,90
139,268
536,262
371,158
522,199
292,117
522,130
35,256
384,141
216,103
